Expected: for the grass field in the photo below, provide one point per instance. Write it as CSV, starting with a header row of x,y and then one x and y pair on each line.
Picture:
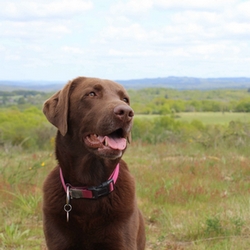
x,y
207,117
214,117
192,198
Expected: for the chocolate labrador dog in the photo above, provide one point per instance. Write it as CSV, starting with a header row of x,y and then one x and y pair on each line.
x,y
89,199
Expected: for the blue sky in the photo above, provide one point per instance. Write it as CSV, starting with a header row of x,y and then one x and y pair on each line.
x,y
123,39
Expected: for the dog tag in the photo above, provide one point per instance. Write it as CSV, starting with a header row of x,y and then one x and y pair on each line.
x,y
67,209
67,206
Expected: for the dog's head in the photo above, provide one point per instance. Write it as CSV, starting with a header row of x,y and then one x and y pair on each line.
x,y
93,112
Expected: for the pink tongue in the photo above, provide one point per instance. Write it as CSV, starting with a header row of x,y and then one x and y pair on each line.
x,y
116,143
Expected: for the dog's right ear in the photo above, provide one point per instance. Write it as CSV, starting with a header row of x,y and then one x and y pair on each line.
x,y
56,109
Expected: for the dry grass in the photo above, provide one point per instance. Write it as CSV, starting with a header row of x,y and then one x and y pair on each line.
x,y
191,198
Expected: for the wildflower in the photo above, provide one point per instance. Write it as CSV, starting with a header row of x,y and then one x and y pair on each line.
x,y
42,164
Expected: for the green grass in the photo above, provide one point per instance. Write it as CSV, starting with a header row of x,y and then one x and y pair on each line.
x,y
206,117
214,117
192,198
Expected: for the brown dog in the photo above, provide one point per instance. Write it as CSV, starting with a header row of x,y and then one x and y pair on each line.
x,y
89,198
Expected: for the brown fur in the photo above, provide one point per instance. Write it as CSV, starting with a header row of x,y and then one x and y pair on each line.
x,y
111,222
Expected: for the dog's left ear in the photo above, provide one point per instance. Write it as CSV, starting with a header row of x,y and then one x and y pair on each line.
x,y
56,109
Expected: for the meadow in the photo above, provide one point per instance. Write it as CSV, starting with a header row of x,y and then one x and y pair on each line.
x,y
191,169
222,118
191,198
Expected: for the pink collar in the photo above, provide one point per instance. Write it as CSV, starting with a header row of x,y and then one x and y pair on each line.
x,y
92,192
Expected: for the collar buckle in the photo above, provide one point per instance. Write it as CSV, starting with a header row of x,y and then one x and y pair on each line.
x,y
104,189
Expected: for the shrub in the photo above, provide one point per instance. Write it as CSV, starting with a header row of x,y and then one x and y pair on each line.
x,y
27,129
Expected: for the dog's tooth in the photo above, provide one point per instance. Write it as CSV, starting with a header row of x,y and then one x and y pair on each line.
x,y
106,142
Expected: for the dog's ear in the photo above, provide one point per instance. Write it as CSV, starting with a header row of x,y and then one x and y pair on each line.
x,y
56,109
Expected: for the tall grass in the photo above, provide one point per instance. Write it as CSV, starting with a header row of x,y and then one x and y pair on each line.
x,y
193,181
191,197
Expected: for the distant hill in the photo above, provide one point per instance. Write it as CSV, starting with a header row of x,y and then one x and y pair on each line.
x,y
187,83
165,82
46,86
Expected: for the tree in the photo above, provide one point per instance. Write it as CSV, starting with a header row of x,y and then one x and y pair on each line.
x,y
21,101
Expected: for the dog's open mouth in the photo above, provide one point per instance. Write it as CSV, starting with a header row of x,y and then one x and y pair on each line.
x,y
115,140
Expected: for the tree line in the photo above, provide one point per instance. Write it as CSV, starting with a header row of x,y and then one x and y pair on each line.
x,y
154,100
163,106
166,101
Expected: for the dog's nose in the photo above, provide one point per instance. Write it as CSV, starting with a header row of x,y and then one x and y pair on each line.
x,y
124,112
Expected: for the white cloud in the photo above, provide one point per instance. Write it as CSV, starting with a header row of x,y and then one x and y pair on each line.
x,y
10,57
243,10
73,50
133,31
236,28
34,30
132,6
26,10
140,6
40,20
126,38
207,5
128,53
188,21
199,17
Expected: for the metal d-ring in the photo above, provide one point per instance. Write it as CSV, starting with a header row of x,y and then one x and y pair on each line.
x,y
67,206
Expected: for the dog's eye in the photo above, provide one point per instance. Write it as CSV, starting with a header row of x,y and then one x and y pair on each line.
x,y
92,93
125,100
